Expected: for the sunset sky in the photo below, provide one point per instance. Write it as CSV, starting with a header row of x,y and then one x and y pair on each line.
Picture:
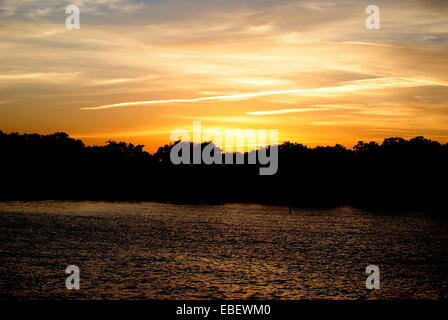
x,y
310,69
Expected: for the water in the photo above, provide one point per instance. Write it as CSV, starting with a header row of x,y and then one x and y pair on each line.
x,y
161,251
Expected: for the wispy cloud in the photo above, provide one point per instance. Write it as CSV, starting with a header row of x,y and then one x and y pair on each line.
x,y
7,101
282,111
116,81
37,75
371,44
357,85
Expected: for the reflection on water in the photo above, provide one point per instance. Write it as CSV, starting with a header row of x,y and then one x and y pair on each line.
x,y
148,250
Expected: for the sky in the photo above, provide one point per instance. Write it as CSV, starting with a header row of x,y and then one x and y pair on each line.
x,y
137,70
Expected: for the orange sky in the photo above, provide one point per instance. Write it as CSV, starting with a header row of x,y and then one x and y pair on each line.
x,y
307,68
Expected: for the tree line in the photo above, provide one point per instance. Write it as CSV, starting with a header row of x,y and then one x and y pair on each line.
x,y
396,173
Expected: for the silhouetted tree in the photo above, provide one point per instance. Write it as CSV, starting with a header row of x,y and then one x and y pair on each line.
x,y
396,172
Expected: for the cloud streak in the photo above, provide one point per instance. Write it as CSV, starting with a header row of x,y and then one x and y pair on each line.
x,y
282,111
358,85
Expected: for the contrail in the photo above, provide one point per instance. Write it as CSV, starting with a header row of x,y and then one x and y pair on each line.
x,y
234,96
378,83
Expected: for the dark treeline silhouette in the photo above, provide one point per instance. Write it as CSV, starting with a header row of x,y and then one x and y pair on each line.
x,y
398,172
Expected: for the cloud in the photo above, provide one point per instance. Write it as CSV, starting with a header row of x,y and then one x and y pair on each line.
x,y
282,111
357,85
371,44
437,5
39,75
51,8
7,101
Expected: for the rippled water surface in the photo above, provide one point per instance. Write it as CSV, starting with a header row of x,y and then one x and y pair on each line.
x,y
149,250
